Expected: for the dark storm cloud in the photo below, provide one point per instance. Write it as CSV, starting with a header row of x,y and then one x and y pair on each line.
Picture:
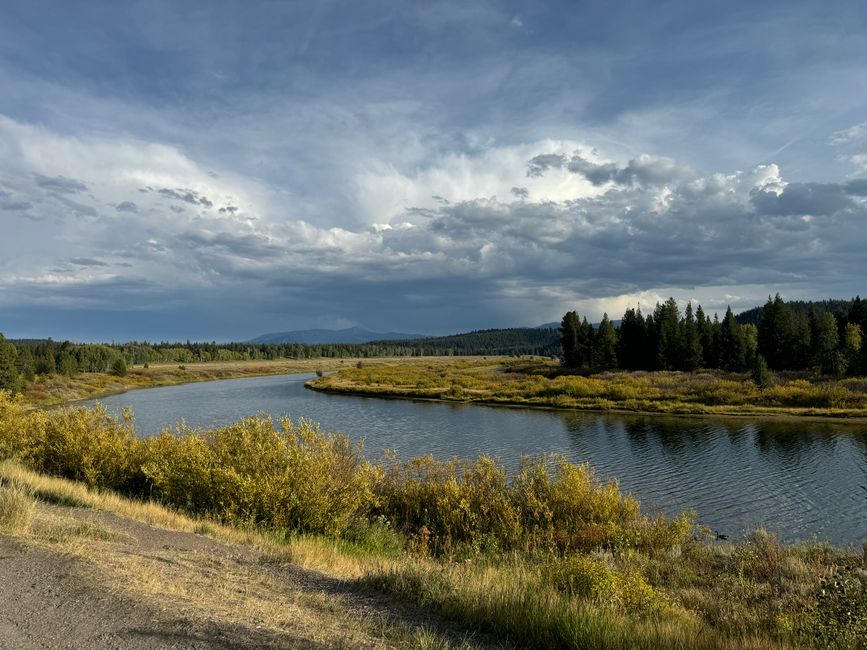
x,y
520,192
802,199
60,184
857,186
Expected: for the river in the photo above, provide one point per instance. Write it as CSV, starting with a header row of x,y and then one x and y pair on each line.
x,y
803,479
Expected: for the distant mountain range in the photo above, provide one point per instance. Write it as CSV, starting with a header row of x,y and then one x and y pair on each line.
x,y
348,335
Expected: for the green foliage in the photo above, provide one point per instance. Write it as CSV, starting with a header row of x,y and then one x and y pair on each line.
x,y
10,378
760,374
291,478
118,367
589,578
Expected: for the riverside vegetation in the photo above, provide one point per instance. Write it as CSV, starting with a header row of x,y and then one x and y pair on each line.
x,y
544,383
548,556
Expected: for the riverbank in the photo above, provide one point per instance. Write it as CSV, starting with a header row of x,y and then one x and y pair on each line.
x,y
56,389
344,553
538,384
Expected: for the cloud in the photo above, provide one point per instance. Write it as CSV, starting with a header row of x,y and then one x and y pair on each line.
x,y
488,236
60,184
803,199
15,205
853,134
87,261
188,196
651,170
126,206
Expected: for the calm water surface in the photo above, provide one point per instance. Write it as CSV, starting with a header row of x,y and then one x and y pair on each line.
x,y
801,479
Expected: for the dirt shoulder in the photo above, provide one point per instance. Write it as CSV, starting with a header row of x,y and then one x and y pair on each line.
x,y
87,578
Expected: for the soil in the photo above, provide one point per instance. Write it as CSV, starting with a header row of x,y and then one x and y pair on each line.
x,y
51,598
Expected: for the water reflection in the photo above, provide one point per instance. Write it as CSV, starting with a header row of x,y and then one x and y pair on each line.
x,y
800,478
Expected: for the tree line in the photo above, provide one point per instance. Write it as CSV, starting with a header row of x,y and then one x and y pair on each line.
x,y
779,338
21,361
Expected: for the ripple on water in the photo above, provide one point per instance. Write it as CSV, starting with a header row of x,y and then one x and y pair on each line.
x,y
800,479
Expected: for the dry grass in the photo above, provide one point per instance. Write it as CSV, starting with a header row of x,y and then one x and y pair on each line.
x,y
53,390
16,509
539,383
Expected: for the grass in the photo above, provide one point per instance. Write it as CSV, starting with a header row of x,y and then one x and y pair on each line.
x,y
16,509
540,383
56,389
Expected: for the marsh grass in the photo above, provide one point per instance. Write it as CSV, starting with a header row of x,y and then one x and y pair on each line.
x,y
540,383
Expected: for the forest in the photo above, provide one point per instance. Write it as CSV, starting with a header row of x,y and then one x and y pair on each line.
x,y
824,338
22,360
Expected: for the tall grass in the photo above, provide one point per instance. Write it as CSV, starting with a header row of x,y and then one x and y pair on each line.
x,y
539,383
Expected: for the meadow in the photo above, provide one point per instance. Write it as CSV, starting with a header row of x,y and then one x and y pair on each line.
x,y
56,389
548,555
543,383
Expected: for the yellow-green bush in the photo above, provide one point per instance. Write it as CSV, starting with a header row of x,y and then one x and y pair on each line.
x,y
586,577
293,477
550,504
12,435
83,444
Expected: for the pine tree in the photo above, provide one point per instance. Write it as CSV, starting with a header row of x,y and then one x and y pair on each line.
x,y
632,341
731,345
569,339
605,348
669,338
692,350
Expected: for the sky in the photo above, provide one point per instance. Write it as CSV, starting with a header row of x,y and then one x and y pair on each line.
x,y
213,170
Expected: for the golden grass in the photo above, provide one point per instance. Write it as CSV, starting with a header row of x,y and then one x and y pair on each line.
x,y
16,509
537,383
214,586
52,390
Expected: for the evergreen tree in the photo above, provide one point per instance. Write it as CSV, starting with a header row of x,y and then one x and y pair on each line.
x,y
692,350
10,379
25,363
605,348
632,341
584,350
731,344
760,373
569,339
669,338
858,313
706,336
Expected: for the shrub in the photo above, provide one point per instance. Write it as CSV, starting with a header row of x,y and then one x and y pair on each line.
x,y
586,577
118,367
760,374
84,444
12,415
294,478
